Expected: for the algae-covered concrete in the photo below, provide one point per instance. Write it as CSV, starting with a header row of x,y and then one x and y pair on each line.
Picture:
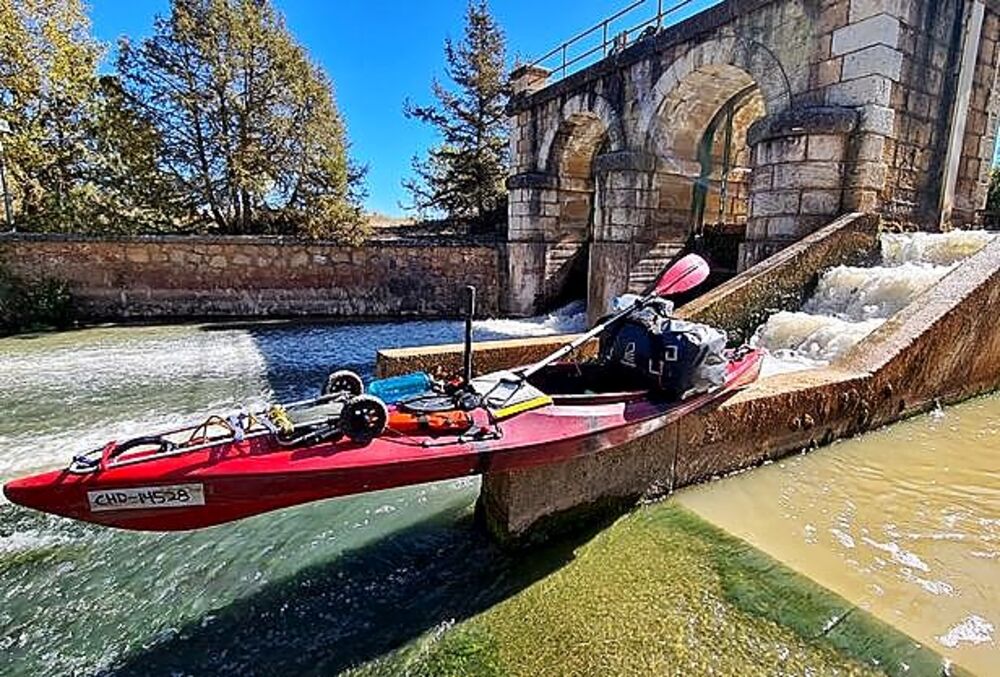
x,y
661,592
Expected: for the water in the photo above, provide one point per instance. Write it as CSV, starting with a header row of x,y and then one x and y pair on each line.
x,y
851,302
331,583
904,522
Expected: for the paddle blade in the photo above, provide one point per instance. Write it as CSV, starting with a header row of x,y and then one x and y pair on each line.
x,y
686,274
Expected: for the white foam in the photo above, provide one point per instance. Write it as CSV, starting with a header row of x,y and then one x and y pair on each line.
x,y
566,320
852,293
802,340
851,302
972,629
942,249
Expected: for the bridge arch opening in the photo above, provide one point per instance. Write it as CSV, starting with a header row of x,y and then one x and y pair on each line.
x,y
703,162
579,140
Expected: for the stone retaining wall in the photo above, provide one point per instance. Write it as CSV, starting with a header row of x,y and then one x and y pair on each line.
x,y
185,276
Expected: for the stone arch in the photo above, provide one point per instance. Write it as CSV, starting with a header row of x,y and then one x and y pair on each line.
x,y
751,57
694,121
583,119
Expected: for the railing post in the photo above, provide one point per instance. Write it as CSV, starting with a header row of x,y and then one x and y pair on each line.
x,y
604,36
563,70
659,13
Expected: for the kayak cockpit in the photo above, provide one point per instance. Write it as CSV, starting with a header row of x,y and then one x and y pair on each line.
x,y
586,383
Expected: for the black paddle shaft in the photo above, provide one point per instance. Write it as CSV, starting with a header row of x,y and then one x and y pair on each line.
x,y
470,312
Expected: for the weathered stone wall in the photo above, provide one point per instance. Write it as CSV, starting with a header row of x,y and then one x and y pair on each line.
x,y
880,106
159,277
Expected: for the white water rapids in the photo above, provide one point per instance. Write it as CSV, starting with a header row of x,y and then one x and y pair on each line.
x,y
851,302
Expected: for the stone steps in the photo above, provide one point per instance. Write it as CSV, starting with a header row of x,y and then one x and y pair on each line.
x,y
645,271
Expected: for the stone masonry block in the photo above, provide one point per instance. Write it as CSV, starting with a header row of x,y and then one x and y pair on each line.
x,y
832,17
828,72
871,89
864,9
825,147
786,227
807,175
820,202
775,203
878,119
867,175
880,29
869,148
874,60
760,179
792,149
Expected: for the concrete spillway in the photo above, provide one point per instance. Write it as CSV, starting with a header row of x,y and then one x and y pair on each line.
x,y
917,337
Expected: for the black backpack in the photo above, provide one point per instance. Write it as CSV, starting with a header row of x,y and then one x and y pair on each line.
x,y
650,350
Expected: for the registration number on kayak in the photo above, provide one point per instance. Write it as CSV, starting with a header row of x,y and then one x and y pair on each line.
x,y
138,498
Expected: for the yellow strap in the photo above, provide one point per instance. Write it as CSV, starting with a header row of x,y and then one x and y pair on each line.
x,y
521,407
279,417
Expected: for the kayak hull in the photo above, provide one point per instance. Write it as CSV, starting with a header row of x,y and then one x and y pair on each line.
x,y
240,479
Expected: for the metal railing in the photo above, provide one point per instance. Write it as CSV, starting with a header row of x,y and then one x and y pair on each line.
x,y
564,60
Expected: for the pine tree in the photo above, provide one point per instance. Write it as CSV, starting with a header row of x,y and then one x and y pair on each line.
x,y
464,175
249,128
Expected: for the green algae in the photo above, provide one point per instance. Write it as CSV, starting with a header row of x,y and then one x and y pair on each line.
x,y
663,592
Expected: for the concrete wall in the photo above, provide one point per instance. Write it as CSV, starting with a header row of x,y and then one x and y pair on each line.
x,y
181,276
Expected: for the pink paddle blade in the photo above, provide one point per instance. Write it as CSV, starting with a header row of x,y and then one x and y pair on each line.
x,y
686,274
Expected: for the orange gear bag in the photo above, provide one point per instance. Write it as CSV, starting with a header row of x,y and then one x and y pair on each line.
x,y
436,423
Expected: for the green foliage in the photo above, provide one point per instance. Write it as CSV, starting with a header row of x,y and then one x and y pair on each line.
x,y
246,125
218,122
464,175
28,306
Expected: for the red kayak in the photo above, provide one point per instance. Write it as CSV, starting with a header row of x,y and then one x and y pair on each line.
x,y
228,469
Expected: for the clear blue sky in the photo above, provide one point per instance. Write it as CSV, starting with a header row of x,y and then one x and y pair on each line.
x,y
379,53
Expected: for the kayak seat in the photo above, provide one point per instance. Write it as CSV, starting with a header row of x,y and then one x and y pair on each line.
x,y
585,383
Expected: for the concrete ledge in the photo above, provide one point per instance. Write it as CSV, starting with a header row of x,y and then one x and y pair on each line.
x,y
945,346
490,355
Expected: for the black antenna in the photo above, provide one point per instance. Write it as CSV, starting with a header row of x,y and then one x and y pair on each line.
x,y
470,312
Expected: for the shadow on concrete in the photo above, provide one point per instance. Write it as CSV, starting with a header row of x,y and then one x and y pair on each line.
x,y
352,609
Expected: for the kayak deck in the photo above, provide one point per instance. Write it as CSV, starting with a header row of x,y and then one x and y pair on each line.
x,y
221,481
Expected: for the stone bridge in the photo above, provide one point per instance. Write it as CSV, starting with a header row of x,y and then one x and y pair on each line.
x,y
756,120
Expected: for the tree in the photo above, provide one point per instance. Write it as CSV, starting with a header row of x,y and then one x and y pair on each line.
x,y
48,65
464,175
73,153
248,127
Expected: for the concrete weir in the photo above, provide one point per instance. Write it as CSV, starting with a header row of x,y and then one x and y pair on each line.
x,y
944,347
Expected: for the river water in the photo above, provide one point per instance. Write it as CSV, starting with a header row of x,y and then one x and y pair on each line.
x,y
322,587
903,522
77,599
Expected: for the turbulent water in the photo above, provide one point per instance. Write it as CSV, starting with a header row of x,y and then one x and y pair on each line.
x,y
329,579
904,522
851,302
322,587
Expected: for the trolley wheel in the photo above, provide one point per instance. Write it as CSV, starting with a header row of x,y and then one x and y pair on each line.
x,y
343,381
363,418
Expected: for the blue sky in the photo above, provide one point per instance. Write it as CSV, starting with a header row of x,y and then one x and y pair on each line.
x,y
379,53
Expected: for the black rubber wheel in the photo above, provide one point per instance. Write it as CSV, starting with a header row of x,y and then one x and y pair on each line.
x,y
364,418
343,381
